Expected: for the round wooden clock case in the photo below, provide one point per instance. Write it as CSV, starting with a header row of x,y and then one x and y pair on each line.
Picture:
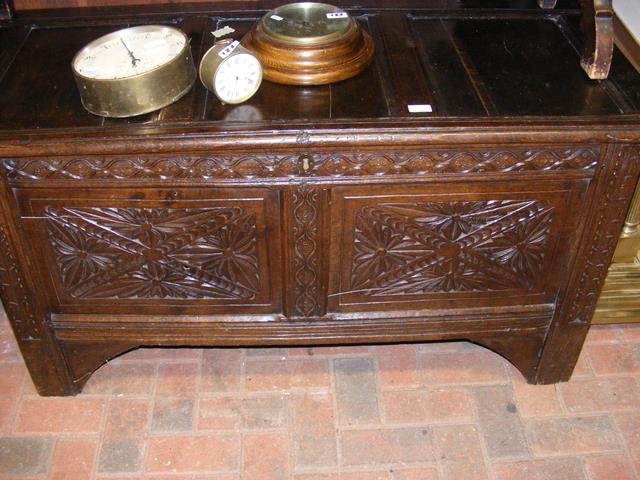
x,y
326,55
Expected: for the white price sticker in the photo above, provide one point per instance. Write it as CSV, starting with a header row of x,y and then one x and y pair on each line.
x,y
277,18
337,15
426,108
226,51
221,32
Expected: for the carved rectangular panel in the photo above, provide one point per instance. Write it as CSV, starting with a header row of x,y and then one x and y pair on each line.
x,y
155,253
433,246
188,251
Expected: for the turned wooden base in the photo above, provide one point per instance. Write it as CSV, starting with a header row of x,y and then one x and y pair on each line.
x,y
312,65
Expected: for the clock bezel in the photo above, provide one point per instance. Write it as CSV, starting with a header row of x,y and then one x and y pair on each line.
x,y
211,63
118,34
295,41
138,94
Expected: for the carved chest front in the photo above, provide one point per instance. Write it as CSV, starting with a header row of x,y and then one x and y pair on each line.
x,y
321,215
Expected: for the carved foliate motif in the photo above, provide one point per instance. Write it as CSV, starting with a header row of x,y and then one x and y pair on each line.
x,y
155,253
286,165
429,247
619,187
306,243
14,292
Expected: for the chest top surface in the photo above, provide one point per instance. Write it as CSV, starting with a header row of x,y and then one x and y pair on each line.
x,y
473,66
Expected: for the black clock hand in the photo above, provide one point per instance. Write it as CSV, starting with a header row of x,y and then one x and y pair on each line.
x,y
235,86
133,57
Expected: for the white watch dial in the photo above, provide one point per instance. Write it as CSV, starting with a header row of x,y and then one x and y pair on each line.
x,y
237,78
129,52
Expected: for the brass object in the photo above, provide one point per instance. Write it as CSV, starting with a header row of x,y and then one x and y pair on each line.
x,y
620,297
305,163
309,43
632,224
211,67
138,93
306,23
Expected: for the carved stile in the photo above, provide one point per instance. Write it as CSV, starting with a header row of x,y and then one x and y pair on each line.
x,y
619,186
14,293
306,233
574,314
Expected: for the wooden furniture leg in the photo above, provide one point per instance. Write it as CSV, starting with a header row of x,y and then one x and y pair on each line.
x,y
574,313
29,319
598,38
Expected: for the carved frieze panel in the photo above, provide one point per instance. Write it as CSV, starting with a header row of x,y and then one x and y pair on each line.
x,y
429,247
155,253
325,164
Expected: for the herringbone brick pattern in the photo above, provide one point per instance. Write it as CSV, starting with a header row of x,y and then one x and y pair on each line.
x,y
400,412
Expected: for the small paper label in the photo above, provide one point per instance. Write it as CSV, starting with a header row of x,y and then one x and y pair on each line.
x,y
426,108
277,18
221,32
337,15
226,51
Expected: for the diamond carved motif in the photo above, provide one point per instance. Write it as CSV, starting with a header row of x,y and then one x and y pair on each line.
x,y
155,253
285,165
428,247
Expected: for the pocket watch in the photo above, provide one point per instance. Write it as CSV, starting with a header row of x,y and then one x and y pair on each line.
x,y
134,70
309,43
230,71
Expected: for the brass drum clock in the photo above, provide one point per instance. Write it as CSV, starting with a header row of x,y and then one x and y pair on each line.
x,y
134,70
309,44
230,71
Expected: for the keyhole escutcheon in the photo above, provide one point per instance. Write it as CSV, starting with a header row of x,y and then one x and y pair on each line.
x,y
305,163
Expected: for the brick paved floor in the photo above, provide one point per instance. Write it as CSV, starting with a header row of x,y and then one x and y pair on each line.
x,y
409,412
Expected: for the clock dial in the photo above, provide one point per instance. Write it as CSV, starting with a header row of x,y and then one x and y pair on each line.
x,y
306,23
237,78
133,71
129,52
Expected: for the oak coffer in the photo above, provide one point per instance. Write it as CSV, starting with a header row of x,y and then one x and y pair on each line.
x,y
470,183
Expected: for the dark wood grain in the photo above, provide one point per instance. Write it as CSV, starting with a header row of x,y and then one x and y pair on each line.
x,y
461,66
306,273
617,182
26,310
444,245
317,215
160,250
238,166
